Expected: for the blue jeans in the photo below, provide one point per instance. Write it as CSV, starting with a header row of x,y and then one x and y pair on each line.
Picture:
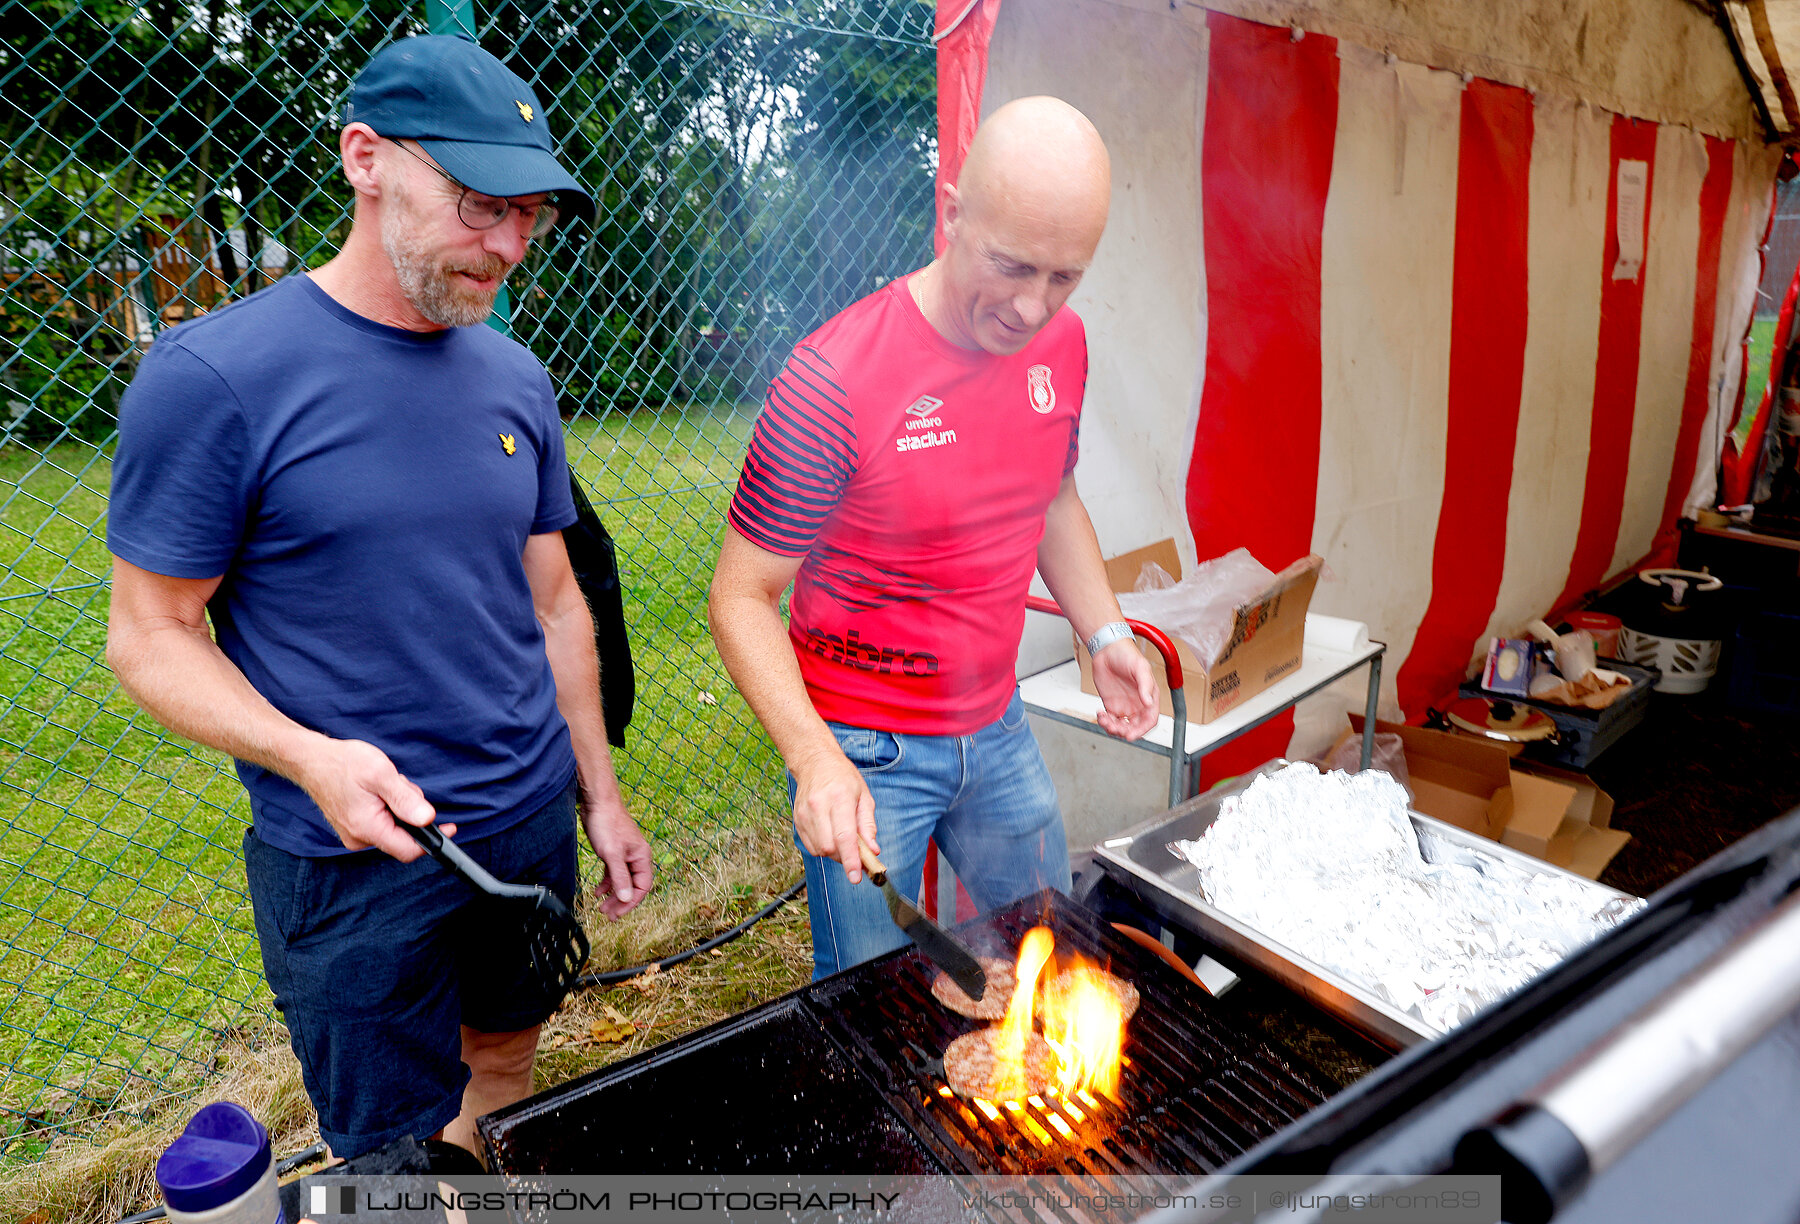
x,y
987,800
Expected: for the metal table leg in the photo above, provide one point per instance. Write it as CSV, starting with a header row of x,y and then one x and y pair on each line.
x,y
1178,762
1184,769
1369,708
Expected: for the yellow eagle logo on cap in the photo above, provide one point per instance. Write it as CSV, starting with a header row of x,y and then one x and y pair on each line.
x,y
524,110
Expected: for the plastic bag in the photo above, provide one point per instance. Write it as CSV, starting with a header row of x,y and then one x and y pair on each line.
x,y
1199,609
1388,755
1576,655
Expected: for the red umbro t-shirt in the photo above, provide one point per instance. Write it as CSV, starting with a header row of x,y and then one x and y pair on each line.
x,y
913,477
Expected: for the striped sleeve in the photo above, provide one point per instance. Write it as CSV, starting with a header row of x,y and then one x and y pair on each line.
x,y
802,454
1080,403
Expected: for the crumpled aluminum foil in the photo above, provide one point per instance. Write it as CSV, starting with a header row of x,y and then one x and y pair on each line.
x,y
1331,866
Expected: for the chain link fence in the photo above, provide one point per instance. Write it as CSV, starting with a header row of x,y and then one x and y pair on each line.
x,y
758,165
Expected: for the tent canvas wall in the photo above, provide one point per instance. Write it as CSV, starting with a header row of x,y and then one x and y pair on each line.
x,y
1452,295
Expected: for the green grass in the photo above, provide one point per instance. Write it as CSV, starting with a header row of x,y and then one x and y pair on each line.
x,y
128,954
1756,375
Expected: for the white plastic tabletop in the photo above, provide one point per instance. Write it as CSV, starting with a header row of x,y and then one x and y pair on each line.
x,y
1058,690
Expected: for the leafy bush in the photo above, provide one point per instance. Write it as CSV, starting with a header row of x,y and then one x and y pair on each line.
x,y
52,388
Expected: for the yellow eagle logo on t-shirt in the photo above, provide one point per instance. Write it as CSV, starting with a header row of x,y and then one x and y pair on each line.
x,y
507,444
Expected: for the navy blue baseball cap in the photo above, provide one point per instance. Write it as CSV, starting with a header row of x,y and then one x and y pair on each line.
x,y
473,114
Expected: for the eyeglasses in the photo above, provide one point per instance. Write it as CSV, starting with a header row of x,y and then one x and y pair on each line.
x,y
480,211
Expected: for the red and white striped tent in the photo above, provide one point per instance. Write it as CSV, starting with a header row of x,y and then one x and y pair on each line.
x,y
1453,295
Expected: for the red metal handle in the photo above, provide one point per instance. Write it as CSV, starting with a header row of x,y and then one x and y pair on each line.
x,y
1150,633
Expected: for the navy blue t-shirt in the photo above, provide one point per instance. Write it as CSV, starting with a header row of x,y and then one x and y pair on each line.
x,y
367,493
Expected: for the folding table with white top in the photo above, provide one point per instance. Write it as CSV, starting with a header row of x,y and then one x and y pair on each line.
x,y
1334,648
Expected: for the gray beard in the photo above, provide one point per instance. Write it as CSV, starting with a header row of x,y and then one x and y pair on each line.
x,y
430,286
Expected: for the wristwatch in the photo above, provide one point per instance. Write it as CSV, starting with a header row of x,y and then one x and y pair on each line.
x,y
1107,634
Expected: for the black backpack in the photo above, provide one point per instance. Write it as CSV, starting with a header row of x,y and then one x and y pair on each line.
x,y
592,556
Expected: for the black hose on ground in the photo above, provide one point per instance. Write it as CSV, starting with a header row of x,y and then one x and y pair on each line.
x,y
287,1164
612,976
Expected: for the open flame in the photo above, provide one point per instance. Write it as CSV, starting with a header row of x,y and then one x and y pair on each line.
x,y
1084,1023
1034,951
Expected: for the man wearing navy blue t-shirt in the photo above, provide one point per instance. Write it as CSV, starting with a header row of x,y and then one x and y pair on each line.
x,y
365,491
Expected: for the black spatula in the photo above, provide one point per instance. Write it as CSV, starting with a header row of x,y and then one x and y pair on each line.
x,y
940,947
559,947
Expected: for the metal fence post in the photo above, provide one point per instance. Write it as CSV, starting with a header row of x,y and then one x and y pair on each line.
x,y
144,283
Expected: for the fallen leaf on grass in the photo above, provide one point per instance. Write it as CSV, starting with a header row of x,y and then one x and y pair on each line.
x,y
558,1040
610,1032
645,982
707,698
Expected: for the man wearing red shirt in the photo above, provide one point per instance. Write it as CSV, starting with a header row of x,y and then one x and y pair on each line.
x,y
912,466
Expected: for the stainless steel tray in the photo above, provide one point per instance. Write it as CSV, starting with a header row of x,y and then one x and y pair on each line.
x,y
1140,859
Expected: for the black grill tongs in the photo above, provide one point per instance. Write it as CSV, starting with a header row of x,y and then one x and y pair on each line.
x,y
559,947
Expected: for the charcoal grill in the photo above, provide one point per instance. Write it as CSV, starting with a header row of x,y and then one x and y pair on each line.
x,y
845,1076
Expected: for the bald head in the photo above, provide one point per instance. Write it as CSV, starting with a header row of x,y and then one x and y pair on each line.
x,y
1042,157
1020,225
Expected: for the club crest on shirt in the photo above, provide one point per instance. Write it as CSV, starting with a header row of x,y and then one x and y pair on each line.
x,y
1038,388
508,444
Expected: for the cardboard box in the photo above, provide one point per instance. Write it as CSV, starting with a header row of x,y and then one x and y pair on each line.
x,y
1478,785
1458,779
1591,804
1585,842
1266,637
1541,825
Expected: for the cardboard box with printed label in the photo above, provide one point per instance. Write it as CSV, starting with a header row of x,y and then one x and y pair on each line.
x,y
1266,637
1476,784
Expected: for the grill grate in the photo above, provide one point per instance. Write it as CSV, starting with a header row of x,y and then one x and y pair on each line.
x,y
1198,1089
846,1075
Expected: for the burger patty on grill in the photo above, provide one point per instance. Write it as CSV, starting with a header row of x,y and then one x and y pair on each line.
x,y
1056,990
1002,979
972,1066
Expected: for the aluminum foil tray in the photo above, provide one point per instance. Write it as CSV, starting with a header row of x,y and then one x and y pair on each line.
x,y
1140,860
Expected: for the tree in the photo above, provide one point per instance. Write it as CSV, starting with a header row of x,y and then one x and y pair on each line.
x,y
754,173
210,114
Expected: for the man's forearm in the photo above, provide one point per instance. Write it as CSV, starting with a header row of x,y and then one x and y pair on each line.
x,y
754,645
182,679
1069,561
569,643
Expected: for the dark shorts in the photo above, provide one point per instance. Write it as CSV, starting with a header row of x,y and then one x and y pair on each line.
x,y
376,965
